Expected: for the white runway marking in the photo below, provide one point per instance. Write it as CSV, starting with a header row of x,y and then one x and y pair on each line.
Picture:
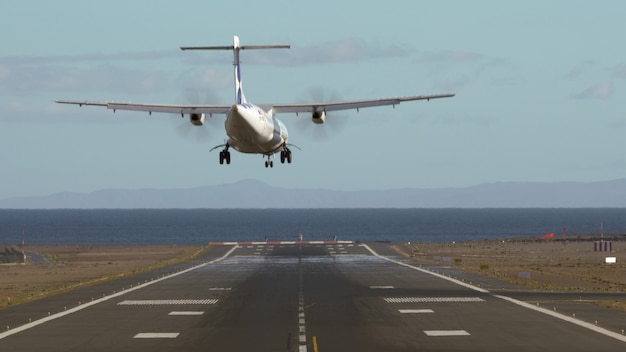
x,y
157,335
415,311
583,324
381,287
219,289
106,298
186,313
163,302
446,333
433,299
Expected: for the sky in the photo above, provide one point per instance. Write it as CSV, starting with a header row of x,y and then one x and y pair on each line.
x,y
540,92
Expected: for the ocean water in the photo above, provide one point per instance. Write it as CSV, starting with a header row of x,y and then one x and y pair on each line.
x,y
199,226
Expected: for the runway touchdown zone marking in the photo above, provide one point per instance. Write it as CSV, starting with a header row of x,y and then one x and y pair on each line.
x,y
415,311
163,302
186,313
433,299
157,335
446,333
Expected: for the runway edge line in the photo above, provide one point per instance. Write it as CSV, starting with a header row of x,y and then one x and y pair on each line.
x,y
509,299
106,298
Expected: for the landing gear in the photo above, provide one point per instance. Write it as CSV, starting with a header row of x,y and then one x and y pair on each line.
x,y
285,155
225,155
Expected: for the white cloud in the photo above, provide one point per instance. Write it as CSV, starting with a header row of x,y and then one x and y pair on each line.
x,y
620,72
449,56
345,50
599,91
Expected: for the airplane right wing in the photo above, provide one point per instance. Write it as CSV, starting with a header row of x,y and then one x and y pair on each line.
x,y
150,108
350,105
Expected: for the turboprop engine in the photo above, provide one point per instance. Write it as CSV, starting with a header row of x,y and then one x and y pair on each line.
x,y
318,117
196,119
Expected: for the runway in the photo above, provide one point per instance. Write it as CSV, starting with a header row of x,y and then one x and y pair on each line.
x,y
296,297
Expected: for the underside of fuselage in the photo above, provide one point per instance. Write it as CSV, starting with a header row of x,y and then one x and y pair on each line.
x,y
252,130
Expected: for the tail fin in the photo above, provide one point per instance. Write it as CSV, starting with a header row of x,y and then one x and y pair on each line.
x,y
239,96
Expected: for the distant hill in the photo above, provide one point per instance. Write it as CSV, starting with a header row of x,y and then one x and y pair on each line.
x,y
255,194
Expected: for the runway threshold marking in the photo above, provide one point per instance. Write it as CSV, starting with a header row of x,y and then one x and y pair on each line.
x,y
106,298
157,335
572,320
446,333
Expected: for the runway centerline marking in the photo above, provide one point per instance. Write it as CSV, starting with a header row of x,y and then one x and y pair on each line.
x,y
381,287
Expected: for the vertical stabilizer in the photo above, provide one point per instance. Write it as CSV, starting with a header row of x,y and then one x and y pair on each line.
x,y
236,48
240,98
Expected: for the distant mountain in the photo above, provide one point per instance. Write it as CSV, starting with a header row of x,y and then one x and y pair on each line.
x,y
255,194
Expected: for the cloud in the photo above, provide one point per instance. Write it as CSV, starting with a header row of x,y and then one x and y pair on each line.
x,y
620,72
449,56
599,91
20,79
94,57
338,51
579,69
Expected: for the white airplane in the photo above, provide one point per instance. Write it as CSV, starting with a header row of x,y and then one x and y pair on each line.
x,y
253,128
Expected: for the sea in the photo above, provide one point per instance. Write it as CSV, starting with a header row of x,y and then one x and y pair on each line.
x,y
124,227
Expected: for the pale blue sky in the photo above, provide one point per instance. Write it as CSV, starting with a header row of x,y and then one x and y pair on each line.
x,y
540,92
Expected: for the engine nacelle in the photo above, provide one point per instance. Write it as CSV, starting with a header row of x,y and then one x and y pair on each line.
x,y
318,117
196,119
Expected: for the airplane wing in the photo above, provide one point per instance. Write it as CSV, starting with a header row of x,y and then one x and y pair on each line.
x,y
349,105
150,108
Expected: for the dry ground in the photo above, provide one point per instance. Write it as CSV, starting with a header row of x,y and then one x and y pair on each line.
x,y
72,267
550,265
538,264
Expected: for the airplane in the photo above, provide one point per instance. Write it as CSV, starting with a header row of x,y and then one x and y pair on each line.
x,y
253,128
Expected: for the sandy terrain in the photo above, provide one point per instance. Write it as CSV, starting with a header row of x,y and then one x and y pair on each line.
x,y
71,267
539,264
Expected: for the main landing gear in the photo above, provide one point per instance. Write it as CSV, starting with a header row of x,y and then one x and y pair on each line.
x,y
225,155
285,155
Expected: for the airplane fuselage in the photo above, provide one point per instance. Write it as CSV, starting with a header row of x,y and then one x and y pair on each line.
x,y
252,130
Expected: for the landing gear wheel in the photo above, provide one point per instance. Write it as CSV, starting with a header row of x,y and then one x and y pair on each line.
x,y
224,156
282,156
288,152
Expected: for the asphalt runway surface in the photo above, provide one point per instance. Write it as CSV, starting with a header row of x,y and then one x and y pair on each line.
x,y
306,297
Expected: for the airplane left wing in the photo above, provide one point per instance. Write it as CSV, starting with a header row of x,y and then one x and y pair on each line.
x,y
350,105
150,108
